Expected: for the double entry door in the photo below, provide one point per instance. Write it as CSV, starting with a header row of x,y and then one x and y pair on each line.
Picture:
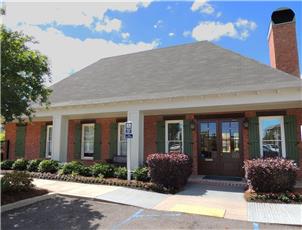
x,y
220,147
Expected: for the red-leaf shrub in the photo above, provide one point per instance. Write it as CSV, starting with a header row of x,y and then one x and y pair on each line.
x,y
169,170
270,174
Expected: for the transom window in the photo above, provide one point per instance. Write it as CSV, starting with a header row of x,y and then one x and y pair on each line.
x,y
87,147
48,141
122,141
272,141
174,136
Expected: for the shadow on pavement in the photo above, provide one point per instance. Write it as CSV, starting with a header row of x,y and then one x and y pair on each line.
x,y
56,213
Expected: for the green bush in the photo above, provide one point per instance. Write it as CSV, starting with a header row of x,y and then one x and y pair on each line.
x,y
85,171
16,181
141,174
105,170
7,164
120,173
20,164
72,167
48,166
33,165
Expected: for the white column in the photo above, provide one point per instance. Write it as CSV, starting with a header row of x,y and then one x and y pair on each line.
x,y
59,138
135,148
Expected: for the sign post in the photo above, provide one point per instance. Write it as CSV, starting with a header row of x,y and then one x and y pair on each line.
x,y
128,136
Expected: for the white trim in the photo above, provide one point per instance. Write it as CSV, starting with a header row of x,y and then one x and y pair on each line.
x,y
47,140
82,141
167,122
119,138
282,133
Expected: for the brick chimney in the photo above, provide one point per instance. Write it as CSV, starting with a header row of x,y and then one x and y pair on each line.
x,y
283,42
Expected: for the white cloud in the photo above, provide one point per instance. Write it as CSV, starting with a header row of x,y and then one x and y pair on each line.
x,y
75,14
214,30
125,35
218,15
186,33
171,34
202,6
158,24
109,25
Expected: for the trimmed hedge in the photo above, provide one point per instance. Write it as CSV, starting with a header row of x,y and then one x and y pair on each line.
x,y
20,164
72,167
141,174
170,170
270,174
120,173
33,165
7,164
103,170
16,181
50,166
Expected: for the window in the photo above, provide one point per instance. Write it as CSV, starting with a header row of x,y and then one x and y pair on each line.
x,y
174,136
208,140
272,142
48,141
122,141
230,136
87,141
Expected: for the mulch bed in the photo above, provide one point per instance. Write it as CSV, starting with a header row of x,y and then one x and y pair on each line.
x,y
13,196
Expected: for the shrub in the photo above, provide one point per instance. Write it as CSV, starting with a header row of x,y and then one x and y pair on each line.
x,y
120,172
20,164
7,164
72,167
170,170
50,166
270,174
16,181
141,174
33,165
85,171
106,170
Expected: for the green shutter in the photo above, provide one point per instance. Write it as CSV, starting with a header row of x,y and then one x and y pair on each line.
x,y
97,142
113,140
77,141
20,141
254,144
160,136
291,142
188,143
43,141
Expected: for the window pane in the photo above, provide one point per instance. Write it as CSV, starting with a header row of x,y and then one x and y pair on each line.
x,y
271,137
50,133
230,137
123,148
174,131
88,140
122,132
208,135
174,146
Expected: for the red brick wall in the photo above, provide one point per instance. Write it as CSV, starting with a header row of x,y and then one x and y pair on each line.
x,y
283,48
32,140
150,145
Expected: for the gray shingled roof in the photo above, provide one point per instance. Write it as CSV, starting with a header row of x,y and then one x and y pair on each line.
x,y
194,69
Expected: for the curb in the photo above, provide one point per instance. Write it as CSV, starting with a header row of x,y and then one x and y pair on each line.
x,y
26,202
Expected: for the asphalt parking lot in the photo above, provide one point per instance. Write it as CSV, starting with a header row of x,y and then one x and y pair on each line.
x,y
74,213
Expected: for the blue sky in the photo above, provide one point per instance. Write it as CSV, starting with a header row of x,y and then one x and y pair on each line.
x,y
101,30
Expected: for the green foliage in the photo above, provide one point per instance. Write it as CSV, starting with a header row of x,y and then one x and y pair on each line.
x,y
23,73
72,167
7,164
85,171
20,164
141,174
33,165
106,170
48,166
120,173
284,197
16,181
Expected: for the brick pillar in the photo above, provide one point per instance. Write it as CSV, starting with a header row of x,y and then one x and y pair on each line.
x,y
195,144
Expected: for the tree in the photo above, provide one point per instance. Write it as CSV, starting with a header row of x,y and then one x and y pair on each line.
x,y
23,74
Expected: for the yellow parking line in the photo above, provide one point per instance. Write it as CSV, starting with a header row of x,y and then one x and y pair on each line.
x,y
197,209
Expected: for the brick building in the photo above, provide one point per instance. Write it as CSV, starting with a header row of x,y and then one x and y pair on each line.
x,y
215,105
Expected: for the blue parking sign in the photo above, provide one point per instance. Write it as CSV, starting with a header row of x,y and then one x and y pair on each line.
x,y
128,130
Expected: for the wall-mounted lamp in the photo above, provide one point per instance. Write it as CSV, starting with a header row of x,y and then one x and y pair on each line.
x,y
192,125
245,123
